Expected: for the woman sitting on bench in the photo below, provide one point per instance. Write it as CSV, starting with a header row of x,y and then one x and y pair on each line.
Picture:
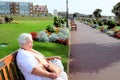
x,y
34,65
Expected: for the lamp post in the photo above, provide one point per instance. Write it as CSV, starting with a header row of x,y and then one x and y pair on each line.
x,y
67,12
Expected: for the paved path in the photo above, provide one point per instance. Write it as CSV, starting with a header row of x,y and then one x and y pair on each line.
x,y
94,55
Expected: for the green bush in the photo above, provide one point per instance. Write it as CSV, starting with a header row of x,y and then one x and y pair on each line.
x,y
62,21
94,22
105,21
100,23
111,24
50,28
8,19
58,21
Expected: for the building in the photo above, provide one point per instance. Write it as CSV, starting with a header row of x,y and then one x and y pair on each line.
x,y
62,14
55,13
22,8
40,10
5,7
16,8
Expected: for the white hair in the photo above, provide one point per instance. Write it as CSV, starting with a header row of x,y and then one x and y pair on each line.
x,y
22,39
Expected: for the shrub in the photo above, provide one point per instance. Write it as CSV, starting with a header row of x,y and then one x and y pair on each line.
x,y
94,22
110,32
102,29
2,20
62,21
95,26
42,36
34,35
56,22
117,24
50,28
100,23
105,21
111,24
63,34
117,35
64,25
64,31
7,19
66,42
53,37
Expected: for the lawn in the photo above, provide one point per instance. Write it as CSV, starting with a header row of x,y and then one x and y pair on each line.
x,y
10,32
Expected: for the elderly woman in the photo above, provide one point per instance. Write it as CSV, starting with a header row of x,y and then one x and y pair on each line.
x,y
33,64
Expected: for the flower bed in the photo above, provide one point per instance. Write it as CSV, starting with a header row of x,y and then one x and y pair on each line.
x,y
53,33
34,35
117,35
61,37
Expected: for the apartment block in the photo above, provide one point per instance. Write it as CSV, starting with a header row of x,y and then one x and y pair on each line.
x,y
5,7
40,10
22,8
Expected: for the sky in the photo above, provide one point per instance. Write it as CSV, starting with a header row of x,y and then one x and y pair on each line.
x,y
80,6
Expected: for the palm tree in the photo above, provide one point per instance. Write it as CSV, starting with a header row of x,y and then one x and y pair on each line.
x,y
97,14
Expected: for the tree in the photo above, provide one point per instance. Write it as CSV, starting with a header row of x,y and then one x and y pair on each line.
x,y
76,14
97,14
116,11
90,16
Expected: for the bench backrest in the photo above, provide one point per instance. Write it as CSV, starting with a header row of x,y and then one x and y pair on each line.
x,y
72,22
9,69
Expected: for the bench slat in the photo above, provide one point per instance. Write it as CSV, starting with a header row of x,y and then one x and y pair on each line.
x,y
9,69
9,72
0,75
7,60
5,74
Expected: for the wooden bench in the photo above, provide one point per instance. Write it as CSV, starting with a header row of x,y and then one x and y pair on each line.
x,y
9,69
73,25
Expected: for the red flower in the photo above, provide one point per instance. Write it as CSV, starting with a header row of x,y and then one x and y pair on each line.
x,y
34,35
66,42
117,35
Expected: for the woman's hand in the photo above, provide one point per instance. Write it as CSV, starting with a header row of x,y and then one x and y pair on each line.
x,y
53,75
